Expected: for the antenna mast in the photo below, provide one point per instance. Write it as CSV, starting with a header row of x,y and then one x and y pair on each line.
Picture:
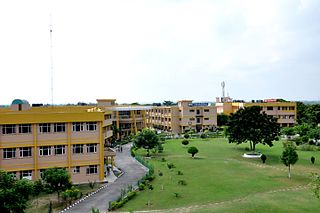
x,y
223,84
51,59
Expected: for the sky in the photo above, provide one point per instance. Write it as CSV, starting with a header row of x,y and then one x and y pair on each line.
x,y
155,50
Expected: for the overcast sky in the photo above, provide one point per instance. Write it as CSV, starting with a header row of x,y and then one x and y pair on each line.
x,y
150,51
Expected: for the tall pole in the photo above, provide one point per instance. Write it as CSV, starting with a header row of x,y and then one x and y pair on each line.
x,y
51,59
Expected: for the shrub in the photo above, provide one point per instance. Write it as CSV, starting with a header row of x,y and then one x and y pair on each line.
x,y
130,195
186,136
185,142
133,152
313,159
180,173
160,148
170,165
193,150
263,158
92,184
142,187
163,159
203,136
247,149
150,187
182,182
176,194
160,173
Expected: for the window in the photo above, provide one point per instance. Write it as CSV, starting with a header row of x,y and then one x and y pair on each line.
x,y
9,129
279,108
191,119
191,110
25,128
44,128
26,174
92,169
91,126
269,108
291,107
9,153
206,119
76,169
59,127
25,152
78,148
91,148
198,120
77,127
45,150
206,110
59,150
284,108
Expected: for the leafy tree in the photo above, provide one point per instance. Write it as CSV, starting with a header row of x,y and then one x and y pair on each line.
x,y
193,150
58,179
14,194
302,129
314,133
289,157
288,131
263,158
222,119
147,139
168,103
251,125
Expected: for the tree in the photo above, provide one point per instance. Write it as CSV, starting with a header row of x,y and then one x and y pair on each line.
x,y
288,131
302,129
314,133
14,194
193,150
289,157
222,119
58,179
251,125
168,103
147,139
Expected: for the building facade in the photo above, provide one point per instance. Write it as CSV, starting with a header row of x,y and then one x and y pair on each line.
x,y
33,139
285,112
126,119
186,115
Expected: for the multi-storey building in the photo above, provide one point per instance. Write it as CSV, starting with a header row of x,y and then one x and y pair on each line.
x,y
127,119
228,107
285,112
186,115
33,139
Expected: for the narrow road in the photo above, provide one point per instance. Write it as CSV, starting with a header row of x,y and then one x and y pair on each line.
x,y
133,171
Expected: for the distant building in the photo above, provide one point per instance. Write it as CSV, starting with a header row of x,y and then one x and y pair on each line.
x,y
127,119
186,115
284,111
33,139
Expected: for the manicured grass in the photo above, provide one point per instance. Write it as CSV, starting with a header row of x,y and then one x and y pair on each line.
x,y
220,174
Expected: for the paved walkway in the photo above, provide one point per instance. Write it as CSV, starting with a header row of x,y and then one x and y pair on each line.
x,y
133,171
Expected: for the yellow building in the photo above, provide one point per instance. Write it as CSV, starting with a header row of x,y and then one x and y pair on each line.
x,y
285,112
128,119
186,115
33,139
228,107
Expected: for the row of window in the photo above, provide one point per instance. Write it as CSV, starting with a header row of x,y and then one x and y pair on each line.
x,y
90,170
48,127
9,153
281,108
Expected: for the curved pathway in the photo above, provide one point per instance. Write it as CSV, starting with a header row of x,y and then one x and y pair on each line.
x,y
133,171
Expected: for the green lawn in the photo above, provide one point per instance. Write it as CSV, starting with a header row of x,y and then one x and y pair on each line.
x,y
220,179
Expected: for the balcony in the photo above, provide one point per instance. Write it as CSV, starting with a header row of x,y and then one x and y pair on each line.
x,y
108,134
108,152
107,122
